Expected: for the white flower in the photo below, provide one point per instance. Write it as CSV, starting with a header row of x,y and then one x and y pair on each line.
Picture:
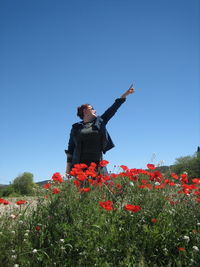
x,y
165,250
198,223
131,183
62,240
27,231
26,234
186,238
13,250
157,183
34,251
16,265
195,248
13,232
12,216
14,257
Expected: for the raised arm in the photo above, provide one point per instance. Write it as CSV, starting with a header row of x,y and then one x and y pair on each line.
x,y
110,112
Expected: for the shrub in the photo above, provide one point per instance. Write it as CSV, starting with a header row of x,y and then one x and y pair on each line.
x,y
23,184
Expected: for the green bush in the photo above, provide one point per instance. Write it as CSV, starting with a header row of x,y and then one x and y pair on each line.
x,y
6,191
23,184
189,164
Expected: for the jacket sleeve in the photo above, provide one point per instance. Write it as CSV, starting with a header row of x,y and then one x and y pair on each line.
x,y
110,112
69,152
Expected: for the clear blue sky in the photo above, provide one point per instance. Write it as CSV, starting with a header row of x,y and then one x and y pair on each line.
x,y
57,55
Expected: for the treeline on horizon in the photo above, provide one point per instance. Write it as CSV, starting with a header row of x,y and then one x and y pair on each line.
x,y
23,185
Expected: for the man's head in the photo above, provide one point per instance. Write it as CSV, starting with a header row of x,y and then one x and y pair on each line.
x,y
86,111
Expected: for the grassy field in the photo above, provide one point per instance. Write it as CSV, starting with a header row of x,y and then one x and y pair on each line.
x,y
133,218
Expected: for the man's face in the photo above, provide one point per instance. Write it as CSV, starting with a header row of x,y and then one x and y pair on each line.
x,y
90,112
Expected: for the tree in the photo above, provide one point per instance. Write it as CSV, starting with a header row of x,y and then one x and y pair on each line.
x,y
24,184
189,164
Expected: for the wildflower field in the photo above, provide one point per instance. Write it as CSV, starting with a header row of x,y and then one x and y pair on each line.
x,y
133,218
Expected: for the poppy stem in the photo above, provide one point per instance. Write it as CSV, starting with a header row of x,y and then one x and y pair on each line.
x,y
110,192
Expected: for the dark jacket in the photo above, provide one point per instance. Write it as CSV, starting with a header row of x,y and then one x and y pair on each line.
x,y
74,145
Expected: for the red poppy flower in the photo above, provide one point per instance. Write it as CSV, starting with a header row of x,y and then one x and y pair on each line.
x,y
194,231
119,186
161,186
196,180
56,190
37,228
83,166
107,205
143,181
47,186
57,177
189,187
172,202
77,166
155,176
85,189
149,186
82,176
21,202
153,220
133,178
133,208
184,175
4,201
181,249
197,192
184,179
173,175
151,166
93,165
198,200
125,168
103,163
91,173
77,183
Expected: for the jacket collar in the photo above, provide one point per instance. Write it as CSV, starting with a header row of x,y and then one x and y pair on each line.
x,y
97,122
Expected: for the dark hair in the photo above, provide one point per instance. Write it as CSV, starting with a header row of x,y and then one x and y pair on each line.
x,y
80,110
